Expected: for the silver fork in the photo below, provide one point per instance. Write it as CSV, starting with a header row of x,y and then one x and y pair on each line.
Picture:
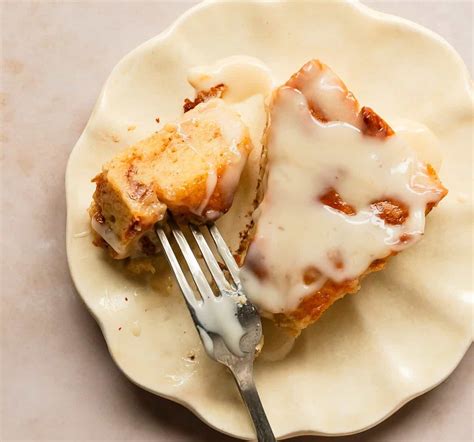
x,y
240,360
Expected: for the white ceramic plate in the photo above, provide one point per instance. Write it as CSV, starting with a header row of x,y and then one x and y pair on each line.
x,y
408,327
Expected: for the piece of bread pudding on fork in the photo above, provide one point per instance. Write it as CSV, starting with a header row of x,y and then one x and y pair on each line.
x,y
191,168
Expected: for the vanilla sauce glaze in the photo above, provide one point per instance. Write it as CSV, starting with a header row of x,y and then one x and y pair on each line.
x,y
295,230
233,131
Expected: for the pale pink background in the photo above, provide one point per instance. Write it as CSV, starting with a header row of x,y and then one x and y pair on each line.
x,y
57,379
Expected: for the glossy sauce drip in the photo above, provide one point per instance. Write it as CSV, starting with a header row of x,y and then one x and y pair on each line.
x,y
235,80
242,77
110,238
219,315
233,131
328,185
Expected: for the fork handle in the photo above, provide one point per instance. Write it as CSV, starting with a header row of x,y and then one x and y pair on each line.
x,y
244,379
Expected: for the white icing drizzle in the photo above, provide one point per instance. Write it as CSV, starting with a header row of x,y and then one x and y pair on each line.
x,y
206,340
233,132
219,315
211,183
243,76
110,237
231,176
325,91
132,249
81,234
297,231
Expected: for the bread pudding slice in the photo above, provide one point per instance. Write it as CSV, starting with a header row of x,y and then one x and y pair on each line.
x,y
343,193
191,168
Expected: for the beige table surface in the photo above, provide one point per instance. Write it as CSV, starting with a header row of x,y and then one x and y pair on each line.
x,y
57,379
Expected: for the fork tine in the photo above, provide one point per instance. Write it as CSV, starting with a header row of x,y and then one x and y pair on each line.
x,y
194,267
211,261
182,281
225,253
